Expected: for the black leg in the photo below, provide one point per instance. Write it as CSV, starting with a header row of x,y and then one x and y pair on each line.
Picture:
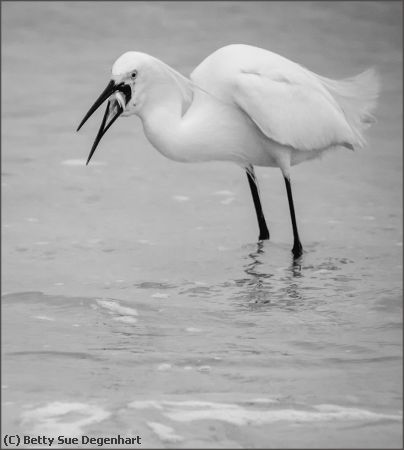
x,y
252,181
297,246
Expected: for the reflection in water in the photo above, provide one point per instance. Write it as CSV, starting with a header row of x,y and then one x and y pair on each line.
x,y
274,287
251,268
296,266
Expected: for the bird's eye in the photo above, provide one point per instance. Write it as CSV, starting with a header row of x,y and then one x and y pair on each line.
x,y
134,74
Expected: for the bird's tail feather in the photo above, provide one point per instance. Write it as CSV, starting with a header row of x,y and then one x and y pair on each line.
x,y
357,97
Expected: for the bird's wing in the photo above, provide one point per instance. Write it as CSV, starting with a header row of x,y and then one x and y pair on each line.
x,y
292,108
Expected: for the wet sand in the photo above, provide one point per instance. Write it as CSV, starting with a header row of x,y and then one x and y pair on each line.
x,y
136,300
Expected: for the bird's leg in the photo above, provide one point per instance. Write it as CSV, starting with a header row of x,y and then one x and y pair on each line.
x,y
252,181
297,249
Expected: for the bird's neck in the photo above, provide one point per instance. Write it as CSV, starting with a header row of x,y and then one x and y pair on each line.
x,y
162,125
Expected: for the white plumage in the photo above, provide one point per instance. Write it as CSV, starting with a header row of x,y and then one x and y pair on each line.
x,y
242,104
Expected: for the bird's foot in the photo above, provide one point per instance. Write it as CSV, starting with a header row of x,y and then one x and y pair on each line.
x,y
297,250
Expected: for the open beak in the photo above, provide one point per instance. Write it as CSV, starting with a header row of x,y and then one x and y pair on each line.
x,y
115,108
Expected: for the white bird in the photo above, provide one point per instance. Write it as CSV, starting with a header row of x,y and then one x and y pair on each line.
x,y
242,104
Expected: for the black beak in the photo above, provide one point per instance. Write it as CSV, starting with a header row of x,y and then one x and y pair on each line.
x,y
103,129
108,91
110,113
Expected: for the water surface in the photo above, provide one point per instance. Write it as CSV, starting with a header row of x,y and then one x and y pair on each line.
x,y
136,299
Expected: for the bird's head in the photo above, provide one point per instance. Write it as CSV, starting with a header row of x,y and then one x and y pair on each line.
x,y
132,74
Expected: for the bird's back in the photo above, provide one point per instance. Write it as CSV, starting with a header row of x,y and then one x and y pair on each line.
x,y
219,71
229,60
289,103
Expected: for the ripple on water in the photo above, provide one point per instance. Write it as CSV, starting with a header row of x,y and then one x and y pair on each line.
x,y
123,314
154,285
259,412
160,295
164,432
51,355
62,418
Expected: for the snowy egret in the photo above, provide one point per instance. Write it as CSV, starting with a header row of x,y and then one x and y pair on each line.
x,y
242,104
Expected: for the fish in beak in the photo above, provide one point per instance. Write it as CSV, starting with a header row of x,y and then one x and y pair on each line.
x,y
114,109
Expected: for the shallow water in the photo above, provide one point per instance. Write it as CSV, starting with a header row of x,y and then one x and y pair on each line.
x,y
135,297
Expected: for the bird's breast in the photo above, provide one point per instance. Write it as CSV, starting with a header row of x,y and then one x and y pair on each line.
x,y
213,130
210,130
